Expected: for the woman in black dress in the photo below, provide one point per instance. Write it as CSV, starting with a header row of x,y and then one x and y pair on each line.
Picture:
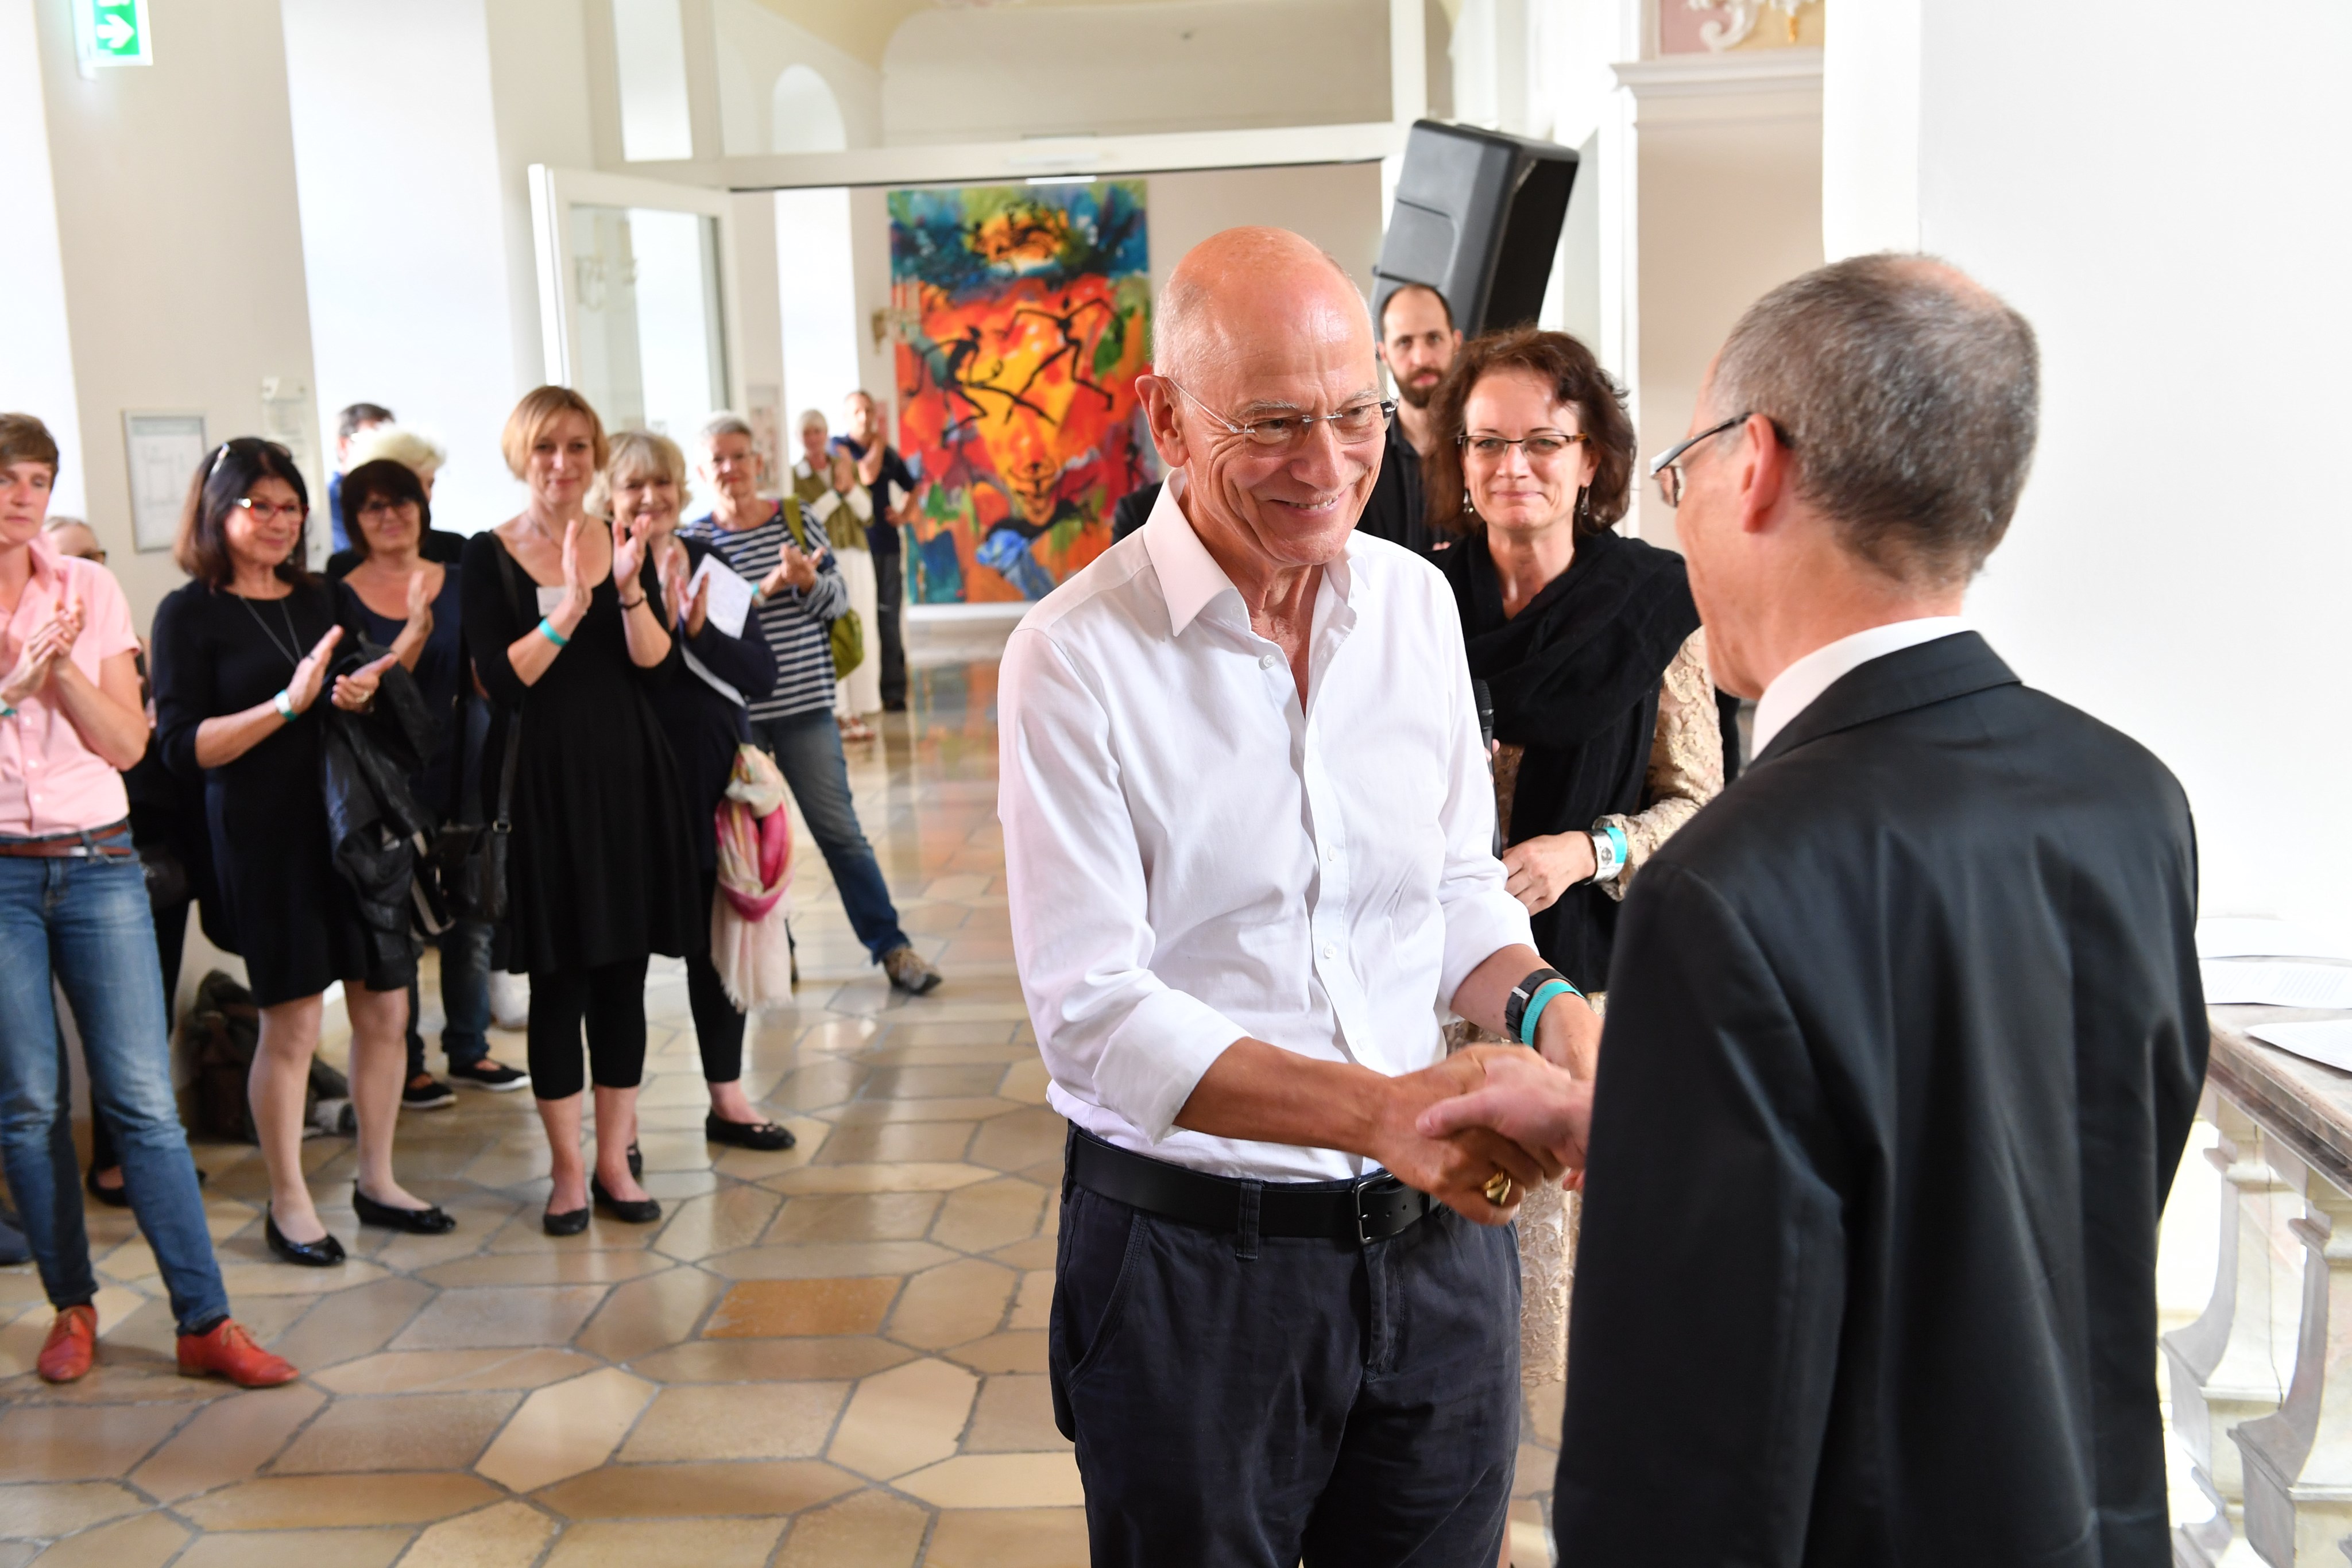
x,y
242,657
406,601
561,614
705,720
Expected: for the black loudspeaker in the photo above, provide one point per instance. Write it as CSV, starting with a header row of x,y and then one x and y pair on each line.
x,y
1477,218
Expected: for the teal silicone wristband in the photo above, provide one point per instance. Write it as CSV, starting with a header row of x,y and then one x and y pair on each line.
x,y
551,635
1536,1005
1617,837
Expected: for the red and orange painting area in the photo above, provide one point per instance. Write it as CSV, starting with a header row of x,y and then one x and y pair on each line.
x,y
1024,318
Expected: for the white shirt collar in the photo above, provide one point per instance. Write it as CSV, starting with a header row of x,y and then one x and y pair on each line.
x,y
1190,578
1794,689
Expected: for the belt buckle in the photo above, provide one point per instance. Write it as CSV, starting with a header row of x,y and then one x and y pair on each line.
x,y
1384,1181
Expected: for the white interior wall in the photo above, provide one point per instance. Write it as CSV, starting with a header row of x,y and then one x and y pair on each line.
x,y
2165,204
539,99
1728,205
817,290
986,73
755,46
37,371
395,151
178,226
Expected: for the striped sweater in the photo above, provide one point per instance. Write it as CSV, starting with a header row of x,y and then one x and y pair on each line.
x,y
797,625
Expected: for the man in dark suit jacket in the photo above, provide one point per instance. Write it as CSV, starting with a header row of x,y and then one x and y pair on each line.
x,y
1904,1030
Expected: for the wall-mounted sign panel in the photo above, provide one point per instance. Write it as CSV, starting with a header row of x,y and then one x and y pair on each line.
x,y
163,452
111,33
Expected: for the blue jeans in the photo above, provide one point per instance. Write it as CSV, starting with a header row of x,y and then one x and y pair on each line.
x,y
465,998
807,750
87,922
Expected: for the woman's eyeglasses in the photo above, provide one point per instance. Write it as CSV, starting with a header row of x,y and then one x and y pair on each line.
x,y
1541,447
262,511
383,508
1353,425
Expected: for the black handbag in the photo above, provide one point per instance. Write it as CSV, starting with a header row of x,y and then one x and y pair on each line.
x,y
469,859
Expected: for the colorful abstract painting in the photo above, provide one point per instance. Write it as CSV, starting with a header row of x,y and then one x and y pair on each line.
x,y
1023,318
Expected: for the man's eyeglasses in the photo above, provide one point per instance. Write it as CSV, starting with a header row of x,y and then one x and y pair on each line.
x,y
1354,424
262,512
1540,447
1666,468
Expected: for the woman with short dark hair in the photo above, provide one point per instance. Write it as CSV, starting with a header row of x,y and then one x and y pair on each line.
x,y
1589,643
243,655
405,599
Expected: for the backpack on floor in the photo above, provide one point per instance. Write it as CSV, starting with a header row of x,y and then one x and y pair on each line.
x,y
220,1031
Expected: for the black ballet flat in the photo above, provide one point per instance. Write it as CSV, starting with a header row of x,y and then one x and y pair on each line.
x,y
763,1135
637,1161
112,1196
570,1223
324,1253
433,1221
643,1211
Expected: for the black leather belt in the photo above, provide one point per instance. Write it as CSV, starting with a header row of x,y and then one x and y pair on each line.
x,y
1361,1213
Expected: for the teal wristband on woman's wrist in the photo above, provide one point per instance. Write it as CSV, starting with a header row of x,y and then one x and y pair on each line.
x,y
548,630
1536,1005
284,703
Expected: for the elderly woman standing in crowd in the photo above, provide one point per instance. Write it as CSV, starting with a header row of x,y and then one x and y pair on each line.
x,y
705,720
1589,644
563,616
410,603
243,655
74,913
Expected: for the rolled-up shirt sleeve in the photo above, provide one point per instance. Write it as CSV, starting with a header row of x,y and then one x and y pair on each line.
x,y
1481,916
1111,1031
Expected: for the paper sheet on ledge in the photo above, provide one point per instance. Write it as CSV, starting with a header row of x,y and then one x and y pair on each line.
x,y
2234,938
2278,985
2327,1042
730,595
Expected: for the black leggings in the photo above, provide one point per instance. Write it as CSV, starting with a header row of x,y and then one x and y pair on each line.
x,y
718,1026
611,998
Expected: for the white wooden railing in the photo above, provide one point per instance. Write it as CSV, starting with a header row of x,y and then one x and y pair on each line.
x,y
2261,1383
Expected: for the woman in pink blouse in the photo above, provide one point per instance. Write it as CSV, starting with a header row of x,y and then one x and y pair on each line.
x,y
73,910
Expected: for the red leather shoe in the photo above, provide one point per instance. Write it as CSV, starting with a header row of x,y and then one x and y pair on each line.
x,y
71,1347
227,1351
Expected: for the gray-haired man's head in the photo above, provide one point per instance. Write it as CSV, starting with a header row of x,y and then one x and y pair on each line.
x,y
1909,397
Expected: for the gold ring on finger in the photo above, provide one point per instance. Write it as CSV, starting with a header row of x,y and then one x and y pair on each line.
x,y
1498,1189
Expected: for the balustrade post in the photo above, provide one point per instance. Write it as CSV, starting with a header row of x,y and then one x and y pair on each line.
x,y
2224,1367
2298,1461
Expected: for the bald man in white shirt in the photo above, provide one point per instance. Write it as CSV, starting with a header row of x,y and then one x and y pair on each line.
x,y
1248,830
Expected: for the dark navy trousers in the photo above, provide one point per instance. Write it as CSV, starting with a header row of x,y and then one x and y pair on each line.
x,y
1257,1402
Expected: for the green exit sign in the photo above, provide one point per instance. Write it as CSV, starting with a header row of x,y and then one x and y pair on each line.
x,y
113,33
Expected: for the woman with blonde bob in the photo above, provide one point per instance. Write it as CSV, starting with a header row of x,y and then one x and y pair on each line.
x,y
563,616
706,718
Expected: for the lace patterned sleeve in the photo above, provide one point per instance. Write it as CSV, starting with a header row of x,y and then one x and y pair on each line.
x,y
1685,760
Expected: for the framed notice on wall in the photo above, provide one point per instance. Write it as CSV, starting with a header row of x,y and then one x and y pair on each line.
x,y
162,452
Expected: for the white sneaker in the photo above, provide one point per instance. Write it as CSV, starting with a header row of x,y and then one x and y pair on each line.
x,y
510,999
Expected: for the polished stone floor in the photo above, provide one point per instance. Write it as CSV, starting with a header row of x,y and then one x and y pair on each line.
x,y
831,1355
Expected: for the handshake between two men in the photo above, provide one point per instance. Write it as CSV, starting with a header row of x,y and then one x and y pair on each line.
x,y
1477,1130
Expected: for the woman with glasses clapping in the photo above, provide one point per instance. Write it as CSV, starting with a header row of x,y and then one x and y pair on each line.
x,y
244,656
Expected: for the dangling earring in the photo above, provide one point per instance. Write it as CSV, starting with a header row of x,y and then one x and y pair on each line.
x,y
1469,505
1584,504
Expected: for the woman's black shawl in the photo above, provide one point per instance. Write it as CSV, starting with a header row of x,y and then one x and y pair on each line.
x,y
1575,677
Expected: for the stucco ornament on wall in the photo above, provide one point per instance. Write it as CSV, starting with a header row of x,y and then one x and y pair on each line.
x,y
1738,18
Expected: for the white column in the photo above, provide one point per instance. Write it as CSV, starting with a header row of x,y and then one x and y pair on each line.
x,y
37,374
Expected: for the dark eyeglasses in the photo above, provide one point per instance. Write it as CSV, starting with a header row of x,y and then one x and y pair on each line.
x,y
1668,467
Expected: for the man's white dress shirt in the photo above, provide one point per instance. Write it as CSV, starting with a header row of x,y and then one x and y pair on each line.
x,y
1793,690
1192,858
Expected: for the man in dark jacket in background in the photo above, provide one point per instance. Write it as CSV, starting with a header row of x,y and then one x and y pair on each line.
x,y
1904,1030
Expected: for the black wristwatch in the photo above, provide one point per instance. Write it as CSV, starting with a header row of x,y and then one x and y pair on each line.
x,y
1515,1009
